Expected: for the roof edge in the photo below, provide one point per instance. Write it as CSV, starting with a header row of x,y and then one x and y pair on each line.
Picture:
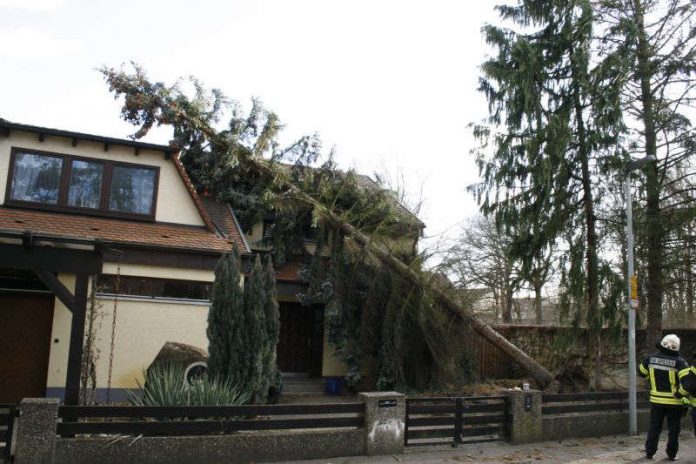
x,y
8,125
192,191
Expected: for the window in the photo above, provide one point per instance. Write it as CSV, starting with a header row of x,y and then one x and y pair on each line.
x,y
36,178
86,179
48,180
131,190
150,287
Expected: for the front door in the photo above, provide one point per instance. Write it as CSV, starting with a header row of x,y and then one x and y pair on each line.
x,y
25,342
295,341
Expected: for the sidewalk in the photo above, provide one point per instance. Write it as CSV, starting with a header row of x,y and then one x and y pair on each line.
x,y
606,450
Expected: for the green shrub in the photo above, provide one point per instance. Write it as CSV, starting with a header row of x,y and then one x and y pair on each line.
x,y
165,385
213,392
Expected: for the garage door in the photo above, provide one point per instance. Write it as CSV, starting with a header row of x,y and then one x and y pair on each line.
x,y
25,343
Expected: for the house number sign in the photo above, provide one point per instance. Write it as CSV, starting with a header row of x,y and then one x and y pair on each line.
x,y
386,403
527,402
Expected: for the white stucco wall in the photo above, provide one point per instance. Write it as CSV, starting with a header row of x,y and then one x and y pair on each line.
x,y
174,204
142,327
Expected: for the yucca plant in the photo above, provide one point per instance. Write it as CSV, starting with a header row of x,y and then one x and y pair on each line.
x,y
213,392
165,385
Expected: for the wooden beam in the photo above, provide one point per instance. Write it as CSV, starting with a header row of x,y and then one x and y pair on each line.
x,y
50,259
74,142
42,136
57,287
106,147
137,151
77,333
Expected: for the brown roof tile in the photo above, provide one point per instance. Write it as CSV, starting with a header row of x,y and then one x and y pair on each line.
x,y
225,222
144,234
290,272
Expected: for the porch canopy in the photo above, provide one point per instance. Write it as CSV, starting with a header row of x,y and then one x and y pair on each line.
x,y
45,256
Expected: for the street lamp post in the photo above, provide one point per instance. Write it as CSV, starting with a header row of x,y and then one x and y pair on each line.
x,y
632,301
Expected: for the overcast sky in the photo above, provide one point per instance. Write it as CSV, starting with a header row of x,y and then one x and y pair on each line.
x,y
390,84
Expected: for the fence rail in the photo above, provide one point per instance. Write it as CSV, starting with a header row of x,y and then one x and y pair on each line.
x,y
8,412
454,421
569,403
197,420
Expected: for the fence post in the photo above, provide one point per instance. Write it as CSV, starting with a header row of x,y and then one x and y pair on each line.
x,y
523,416
385,423
35,438
458,421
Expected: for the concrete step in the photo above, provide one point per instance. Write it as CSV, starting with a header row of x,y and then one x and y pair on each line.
x,y
303,386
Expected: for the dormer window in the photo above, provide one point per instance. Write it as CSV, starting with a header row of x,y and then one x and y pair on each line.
x,y
91,186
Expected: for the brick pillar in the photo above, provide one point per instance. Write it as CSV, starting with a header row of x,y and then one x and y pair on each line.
x,y
385,423
524,416
35,436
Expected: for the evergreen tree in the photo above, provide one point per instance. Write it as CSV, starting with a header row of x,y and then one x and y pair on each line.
x,y
272,376
255,336
249,145
226,318
652,44
557,130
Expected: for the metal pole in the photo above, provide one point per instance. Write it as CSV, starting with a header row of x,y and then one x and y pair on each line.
x,y
632,401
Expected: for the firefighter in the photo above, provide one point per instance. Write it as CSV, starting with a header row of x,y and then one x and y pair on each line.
x,y
661,368
687,390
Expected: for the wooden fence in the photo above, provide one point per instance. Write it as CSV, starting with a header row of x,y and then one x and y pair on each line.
x,y
8,412
454,421
571,403
200,420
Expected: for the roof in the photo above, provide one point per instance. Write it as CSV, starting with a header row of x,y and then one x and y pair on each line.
x,y
289,272
8,125
117,231
225,222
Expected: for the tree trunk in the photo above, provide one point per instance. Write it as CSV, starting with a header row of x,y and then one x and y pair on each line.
x,y
507,310
594,318
538,310
654,230
688,265
426,281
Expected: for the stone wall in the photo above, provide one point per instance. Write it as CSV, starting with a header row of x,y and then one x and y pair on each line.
x,y
567,360
598,424
221,449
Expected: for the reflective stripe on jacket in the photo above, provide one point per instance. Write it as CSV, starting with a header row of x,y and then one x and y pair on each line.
x,y
687,383
661,369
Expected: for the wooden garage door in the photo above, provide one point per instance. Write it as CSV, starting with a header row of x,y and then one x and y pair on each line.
x,y
25,343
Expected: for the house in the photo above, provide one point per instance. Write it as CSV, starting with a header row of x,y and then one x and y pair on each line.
x,y
84,218
108,237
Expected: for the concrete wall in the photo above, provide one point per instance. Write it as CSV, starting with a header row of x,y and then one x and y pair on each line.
x,y
222,449
174,204
584,425
381,432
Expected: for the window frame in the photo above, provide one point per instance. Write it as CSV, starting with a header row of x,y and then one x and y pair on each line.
x,y
64,186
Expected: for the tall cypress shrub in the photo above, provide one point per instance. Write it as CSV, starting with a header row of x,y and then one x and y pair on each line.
x,y
226,320
273,379
255,335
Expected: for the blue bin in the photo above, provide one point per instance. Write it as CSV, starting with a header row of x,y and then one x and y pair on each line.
x,y
333,385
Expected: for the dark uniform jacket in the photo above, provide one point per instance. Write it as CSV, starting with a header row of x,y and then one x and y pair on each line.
x,y
662,368
687,384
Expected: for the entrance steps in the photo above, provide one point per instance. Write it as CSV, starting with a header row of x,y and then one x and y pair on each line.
x,y
303,385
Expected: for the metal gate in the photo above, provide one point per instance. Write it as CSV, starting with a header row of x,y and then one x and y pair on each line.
x,y
455,420
8,413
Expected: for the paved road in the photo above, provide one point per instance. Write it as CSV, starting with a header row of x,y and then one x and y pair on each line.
x,y
607,450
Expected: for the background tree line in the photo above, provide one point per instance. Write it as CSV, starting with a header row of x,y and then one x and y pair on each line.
x,y
575,89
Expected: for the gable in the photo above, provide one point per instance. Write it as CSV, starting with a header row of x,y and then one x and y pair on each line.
x,y
174,200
